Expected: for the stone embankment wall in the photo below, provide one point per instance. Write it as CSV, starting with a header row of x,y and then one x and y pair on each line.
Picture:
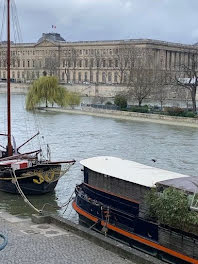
x,y
133,116
101,90
18,88
90,90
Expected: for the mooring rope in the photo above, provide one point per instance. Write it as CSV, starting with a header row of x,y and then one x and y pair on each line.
x,y
68,202
15,181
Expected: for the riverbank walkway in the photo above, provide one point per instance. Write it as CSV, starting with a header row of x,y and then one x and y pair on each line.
x,y
30,243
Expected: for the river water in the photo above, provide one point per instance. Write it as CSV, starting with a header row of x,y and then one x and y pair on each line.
x,y
78,137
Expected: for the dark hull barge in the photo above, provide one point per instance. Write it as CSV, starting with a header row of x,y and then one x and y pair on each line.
x,y
114,204
30,176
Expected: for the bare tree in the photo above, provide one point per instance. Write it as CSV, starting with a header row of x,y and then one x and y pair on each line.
x,y
51,64
161,86
184,95
141,75
70,64
187,77
3,58
121,61
98,63
74,58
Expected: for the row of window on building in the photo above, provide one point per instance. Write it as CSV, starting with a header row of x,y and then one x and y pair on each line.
x,y
23,63
78,77
71,64
18,51
91,63
104,77
21,75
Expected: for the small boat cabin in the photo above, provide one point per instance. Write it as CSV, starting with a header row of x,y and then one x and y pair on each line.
x,y
128,179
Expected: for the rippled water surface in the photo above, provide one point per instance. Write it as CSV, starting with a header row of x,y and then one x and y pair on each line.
x,y
79,136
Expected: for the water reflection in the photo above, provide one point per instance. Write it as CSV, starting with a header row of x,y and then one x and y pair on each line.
x,y
80,136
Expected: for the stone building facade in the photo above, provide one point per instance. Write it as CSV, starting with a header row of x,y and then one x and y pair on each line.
x,y
97,62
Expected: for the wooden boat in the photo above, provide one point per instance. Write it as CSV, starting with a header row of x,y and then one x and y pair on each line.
x,y
112,200
25,172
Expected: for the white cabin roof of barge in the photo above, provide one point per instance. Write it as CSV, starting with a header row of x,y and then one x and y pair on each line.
x,y
129,170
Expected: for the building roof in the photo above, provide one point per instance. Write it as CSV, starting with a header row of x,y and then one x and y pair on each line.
x,y
129,170
51,37
188,184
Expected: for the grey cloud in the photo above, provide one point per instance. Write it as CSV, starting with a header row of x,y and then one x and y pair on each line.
x,y
169,20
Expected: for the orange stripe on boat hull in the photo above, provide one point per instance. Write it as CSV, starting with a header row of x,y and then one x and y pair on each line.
x,y
135,237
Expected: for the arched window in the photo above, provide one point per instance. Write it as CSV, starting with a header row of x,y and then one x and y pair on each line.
x,y
79,76
13,75
80,63
97,77
116,63
104,77
18,75
92,63
86,63
91,77
74,77
125,78
110,77
115,77
85,76
28,75
33,75
68,76
18,63
63,76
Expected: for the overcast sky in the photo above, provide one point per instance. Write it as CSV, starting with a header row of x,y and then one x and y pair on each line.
x,y
169,20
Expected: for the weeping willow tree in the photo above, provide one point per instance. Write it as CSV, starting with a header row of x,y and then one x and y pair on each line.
x,y
46,90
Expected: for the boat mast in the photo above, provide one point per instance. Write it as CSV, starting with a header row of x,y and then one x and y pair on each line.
x,y
9,146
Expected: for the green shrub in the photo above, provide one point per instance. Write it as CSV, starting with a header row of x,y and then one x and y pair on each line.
x,y
174,111
140,109
177,111
121,101
172,208
189,114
